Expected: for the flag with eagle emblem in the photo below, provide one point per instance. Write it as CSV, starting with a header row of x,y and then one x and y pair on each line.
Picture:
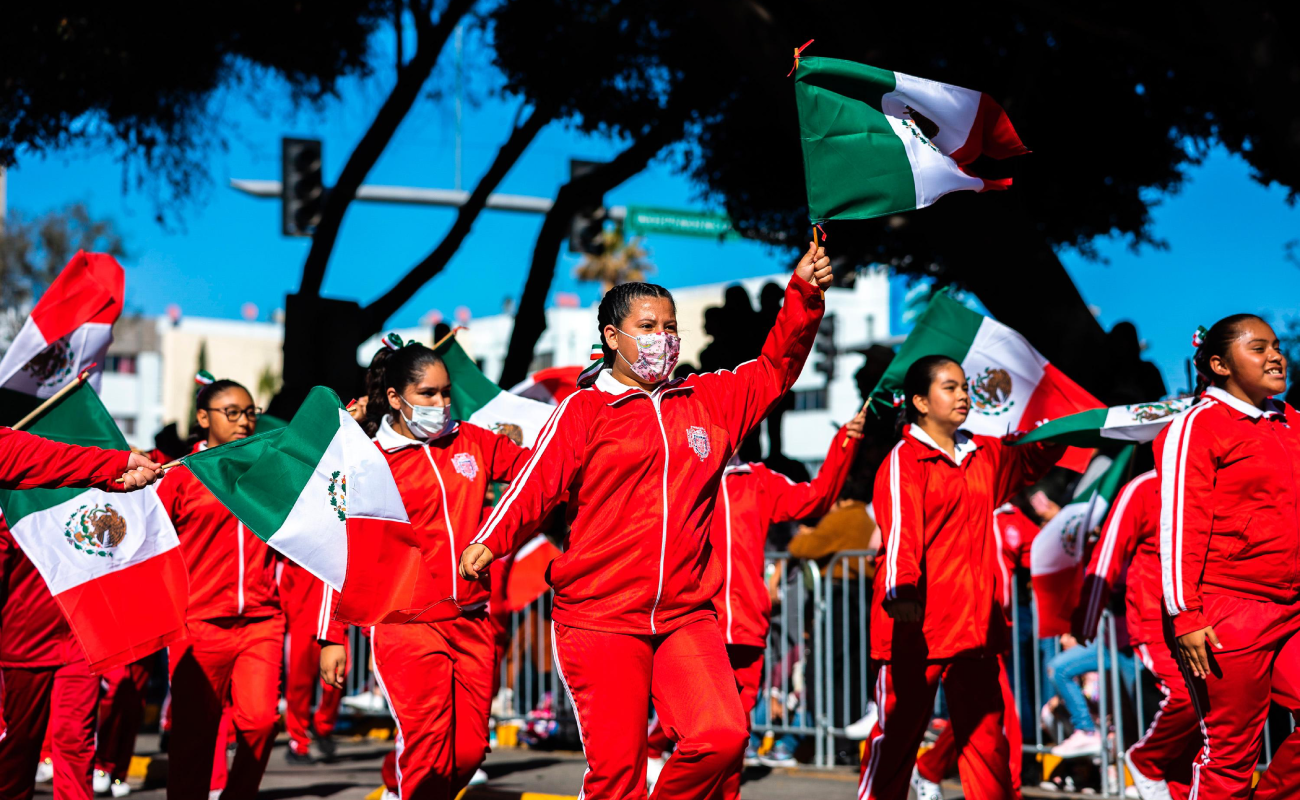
x,y
112,561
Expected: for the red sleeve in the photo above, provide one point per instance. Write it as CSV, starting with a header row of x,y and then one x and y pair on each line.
x,y
331,631
743,397
31,462
791,501
1186,463
506,458
900,515
541,482
1021,465
1113,550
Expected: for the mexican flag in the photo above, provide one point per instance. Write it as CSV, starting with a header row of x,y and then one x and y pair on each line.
x,y
321,493
70,328
1140,422
877,142
112,561
1056,556
549,386
1012,387
476,399
528,566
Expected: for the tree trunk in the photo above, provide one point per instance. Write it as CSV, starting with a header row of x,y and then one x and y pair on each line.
x,y
410,80
530,318
378,312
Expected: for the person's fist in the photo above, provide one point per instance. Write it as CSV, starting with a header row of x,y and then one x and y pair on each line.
x,y
474,561
815,267
333,665
854,429
140,472
904,610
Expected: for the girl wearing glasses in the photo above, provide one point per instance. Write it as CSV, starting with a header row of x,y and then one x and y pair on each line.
x,y
236,628
437,675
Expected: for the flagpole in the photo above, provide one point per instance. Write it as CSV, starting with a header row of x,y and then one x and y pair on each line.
x,y
450,334
52,400
845,441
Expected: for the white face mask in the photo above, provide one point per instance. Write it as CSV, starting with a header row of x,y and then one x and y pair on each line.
x,y
426,422
656,355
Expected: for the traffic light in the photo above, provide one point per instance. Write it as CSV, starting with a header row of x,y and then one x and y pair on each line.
x,y
588,225
825,345
302,188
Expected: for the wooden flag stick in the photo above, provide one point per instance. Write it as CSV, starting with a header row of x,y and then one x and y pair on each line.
x,y
450,334
845,441
163,468
52,400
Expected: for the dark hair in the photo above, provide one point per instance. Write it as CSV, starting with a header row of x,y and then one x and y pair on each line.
x,y
393,369
206,392
919,378
1216,342
617,304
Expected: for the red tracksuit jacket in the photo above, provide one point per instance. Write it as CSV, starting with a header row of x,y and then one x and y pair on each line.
x,y
30,462
937,545
443,483
1130,538
752,499
640,472
1013,535
33,630
232,572
1229,492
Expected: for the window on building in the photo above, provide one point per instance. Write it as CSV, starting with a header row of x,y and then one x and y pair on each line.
x,y
542,361
125,424
810,400
122,365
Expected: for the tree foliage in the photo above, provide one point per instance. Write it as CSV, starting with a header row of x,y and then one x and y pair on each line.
x,y
34,249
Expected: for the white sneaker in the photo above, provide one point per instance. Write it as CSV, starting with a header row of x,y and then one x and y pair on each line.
x,y
120,789
1079,743
100,782
390,795
1146,788
45,771
214,794
367,702
1131,792
862,728
925,790
480,778
653,766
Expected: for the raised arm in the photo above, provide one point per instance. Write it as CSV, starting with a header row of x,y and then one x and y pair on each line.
x,y
897,501
32,462
540,484
741,398
1113,550
813,498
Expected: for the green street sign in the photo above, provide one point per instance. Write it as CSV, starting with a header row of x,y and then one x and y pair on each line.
x,y
642,220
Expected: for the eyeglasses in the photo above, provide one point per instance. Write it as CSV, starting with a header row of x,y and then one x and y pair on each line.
x,y
233,414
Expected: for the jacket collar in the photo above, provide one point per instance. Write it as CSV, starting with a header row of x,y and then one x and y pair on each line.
x,y
735,465
965,444
390,441
1274,407
200,446
607,383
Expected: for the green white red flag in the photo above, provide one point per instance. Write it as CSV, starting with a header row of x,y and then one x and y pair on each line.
x,y
70,328
877,142
319,491
111,561
476,399
1012,387
1056,556
1139,422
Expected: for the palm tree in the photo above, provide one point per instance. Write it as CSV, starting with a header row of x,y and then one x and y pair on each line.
x,y
620,260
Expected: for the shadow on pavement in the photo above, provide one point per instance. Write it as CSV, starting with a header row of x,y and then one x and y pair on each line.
x,y
503,768
312,790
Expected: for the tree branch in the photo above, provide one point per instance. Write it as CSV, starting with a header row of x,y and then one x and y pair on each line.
x,y
430,39
381,309
530,319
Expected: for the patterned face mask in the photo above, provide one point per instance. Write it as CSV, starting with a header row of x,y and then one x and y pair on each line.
x,y
656,355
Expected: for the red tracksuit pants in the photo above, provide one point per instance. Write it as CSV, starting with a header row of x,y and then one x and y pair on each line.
x,y
301,677
747,666
238,660
63,699
1260,661
938,762
612,678
1170,745
121,710
438,680
905,697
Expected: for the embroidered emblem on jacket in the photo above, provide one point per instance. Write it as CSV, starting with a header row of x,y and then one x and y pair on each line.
x,y
698,440
465,464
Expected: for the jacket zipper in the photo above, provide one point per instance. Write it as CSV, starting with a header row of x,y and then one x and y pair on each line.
x,y
726,509
451,534
240,581
663,540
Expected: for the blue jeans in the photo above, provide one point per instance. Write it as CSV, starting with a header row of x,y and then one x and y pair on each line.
x,y
761,720
1063,671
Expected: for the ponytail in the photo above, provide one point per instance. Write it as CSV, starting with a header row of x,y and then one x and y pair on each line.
x,y
1217,341
394,366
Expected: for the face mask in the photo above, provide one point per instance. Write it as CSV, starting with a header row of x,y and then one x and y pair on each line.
x,y
427,422
656,355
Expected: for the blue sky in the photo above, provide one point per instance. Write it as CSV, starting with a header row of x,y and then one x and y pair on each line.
x,y
1226,232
